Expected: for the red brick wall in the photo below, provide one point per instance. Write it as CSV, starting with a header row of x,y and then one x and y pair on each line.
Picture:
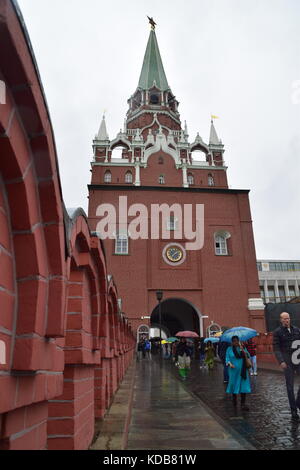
x,y
7,283
149,176
25,428
71,415
54,291
219,286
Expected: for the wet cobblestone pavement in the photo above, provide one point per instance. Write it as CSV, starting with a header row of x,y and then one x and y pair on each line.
x,y
267,425
165,416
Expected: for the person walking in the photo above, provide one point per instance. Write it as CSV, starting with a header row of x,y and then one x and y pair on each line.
x,y
192,348
251,348
238,360
147,349
222,348
183,356
284,346
140,349
201,352
209,355
174,347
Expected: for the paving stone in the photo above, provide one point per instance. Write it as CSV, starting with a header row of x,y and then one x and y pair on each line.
x,y
267,425
111,441
166,416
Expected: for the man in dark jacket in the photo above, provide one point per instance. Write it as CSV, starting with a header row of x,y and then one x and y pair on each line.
x,y
284,345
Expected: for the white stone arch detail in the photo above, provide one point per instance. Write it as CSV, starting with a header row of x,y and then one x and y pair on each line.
x,y
140,331
202,147
213,328
161,144
222,233
155,121
120,141
200,144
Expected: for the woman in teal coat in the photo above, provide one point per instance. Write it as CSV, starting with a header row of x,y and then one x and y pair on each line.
x,y
239,381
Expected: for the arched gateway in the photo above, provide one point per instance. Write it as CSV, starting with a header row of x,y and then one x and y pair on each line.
x,y
177,315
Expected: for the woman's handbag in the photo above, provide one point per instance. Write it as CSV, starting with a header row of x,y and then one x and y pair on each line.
x,y
248,363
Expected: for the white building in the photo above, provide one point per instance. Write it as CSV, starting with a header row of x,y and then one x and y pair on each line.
x,y
279,280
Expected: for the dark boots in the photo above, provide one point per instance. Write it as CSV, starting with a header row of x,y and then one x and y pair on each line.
x,y
243,401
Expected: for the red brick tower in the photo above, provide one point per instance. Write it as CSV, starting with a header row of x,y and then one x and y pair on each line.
x,y
214,286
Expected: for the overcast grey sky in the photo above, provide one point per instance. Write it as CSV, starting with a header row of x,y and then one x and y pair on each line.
x,y
238,59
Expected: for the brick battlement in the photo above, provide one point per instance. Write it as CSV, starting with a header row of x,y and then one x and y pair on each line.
x,y
65,345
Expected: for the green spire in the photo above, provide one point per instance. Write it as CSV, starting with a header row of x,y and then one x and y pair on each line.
x,y
153,69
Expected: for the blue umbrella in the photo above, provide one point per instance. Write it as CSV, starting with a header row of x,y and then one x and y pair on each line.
x,y
172,339
212,339
242,332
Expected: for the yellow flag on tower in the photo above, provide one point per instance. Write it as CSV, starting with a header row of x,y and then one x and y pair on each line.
x,y
214,117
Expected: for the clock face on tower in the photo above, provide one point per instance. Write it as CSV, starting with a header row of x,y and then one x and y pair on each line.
x,y
174,254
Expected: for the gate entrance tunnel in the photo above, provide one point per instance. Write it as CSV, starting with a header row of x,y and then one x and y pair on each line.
x,y
176,315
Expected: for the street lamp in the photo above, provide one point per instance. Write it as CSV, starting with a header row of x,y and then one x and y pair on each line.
x,y
159,296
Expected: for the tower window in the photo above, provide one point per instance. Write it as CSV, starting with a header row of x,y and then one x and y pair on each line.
x,y
160,160
128,177
191,179
154,98
211,181
121,246
221,243
107,177
161,179
172,223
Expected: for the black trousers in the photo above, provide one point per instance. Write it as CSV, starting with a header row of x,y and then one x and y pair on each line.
x,y
243,397
289,373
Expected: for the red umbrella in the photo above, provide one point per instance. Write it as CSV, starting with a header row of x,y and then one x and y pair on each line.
x,y
187,334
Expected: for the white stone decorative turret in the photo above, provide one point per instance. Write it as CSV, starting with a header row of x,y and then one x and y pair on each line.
x,y
183,141
216,147
101,139
102,134
214,141
186,134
